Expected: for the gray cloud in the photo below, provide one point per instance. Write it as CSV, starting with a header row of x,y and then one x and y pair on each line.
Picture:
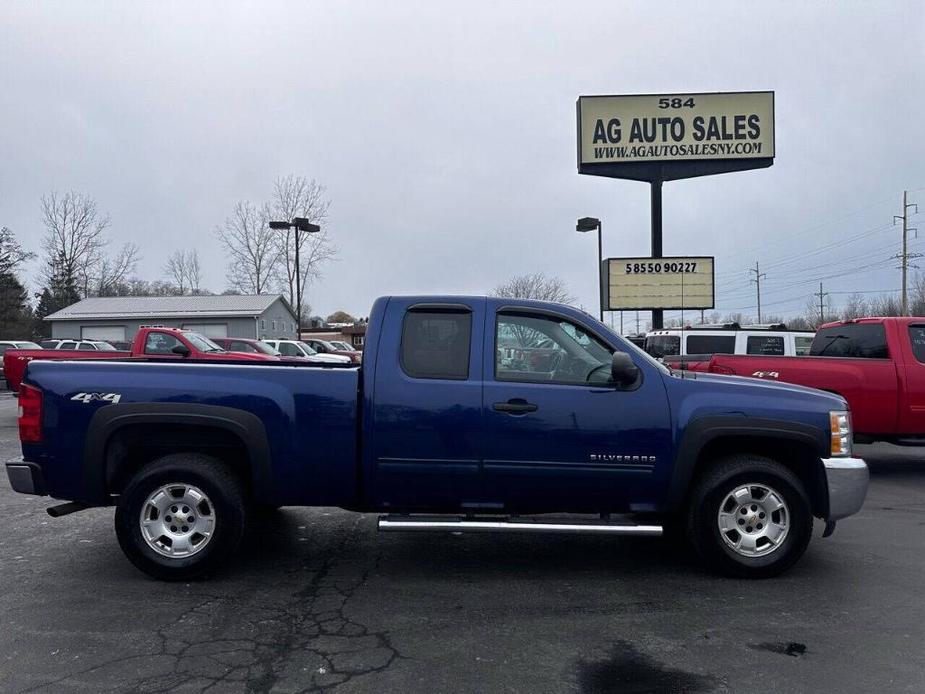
x,y
446,136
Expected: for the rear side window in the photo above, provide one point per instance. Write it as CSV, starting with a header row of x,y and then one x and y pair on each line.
x,y
435,344
711,344
802,344
917,337
769,345
859,340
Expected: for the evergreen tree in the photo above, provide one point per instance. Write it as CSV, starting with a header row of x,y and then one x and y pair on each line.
x,y
15,312
60,293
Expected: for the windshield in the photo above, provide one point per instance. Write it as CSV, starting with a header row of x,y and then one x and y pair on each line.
x,y
264,348
104,347
343,346
308,350
630,347
202,343
27,345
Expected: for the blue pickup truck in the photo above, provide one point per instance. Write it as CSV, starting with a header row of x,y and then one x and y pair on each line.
x,y
467,414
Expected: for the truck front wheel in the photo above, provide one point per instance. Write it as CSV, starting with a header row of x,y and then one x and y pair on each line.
x,y
749,517
180,516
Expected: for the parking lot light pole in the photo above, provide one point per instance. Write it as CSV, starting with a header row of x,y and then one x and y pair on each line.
x,y
298,224
590,224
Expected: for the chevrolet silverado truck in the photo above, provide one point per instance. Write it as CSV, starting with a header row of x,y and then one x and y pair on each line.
x,y
153,342
876,364
439,430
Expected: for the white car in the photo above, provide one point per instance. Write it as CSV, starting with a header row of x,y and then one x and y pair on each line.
x,y
297,348
767,340
17,344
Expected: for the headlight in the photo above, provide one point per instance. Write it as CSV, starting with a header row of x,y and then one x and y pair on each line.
x,y
840,423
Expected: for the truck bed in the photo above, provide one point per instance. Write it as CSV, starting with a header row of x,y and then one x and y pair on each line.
x,y
309,414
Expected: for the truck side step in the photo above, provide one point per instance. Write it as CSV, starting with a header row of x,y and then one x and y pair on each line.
x,y
392,523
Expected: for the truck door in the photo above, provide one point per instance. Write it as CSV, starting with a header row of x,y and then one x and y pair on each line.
x,y
425,432
558,434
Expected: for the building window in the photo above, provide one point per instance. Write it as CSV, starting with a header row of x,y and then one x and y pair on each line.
x,y
263,324
274,325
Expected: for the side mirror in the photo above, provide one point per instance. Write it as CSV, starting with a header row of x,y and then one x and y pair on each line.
x,y
622,369
182,350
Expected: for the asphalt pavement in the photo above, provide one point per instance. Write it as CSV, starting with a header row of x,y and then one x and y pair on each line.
x,y
319,601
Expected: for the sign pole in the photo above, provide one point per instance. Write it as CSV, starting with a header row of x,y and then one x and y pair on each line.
x,y
656,188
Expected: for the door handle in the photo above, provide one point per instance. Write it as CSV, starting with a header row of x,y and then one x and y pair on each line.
x,y
515,406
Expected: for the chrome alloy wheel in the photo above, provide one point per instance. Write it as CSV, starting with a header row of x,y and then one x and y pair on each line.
x,y
177,520
753,520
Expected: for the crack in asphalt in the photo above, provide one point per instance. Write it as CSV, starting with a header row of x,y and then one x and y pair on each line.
x,y
306,643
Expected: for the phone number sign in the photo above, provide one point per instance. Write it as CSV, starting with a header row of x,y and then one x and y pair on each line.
x,y
677,282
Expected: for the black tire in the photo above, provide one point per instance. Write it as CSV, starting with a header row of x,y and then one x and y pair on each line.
x,y
711,490
216,481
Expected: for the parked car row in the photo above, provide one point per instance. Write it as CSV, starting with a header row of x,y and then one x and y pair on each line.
x,y
156,342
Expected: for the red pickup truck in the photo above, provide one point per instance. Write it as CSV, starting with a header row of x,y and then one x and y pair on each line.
x,y
149,343
876,364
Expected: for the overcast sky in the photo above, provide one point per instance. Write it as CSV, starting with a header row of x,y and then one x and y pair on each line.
x,y
445,134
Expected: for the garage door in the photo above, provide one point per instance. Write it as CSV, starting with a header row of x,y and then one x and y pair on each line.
x,y
103,332
208,329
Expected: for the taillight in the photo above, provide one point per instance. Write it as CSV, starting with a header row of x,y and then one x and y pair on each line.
x,y
30,414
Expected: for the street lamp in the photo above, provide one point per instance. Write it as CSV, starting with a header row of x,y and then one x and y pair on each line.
x,y
299,224
590,224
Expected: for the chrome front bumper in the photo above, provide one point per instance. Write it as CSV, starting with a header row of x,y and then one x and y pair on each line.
x,y
847,480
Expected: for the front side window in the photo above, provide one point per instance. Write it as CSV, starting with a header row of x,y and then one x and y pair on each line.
x,y
435,344
547,349
768,345
160,343
288,349
857,340
67,345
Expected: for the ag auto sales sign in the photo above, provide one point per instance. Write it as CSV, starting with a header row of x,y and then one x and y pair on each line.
x,y
675,128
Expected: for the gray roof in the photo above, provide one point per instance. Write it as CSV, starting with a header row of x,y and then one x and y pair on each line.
x,y
116,307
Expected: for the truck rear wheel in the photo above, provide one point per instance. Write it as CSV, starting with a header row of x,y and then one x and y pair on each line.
x,y
180,516
749,517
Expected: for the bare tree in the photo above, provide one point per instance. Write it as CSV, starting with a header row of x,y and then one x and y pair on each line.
x,y
184,269
252,248
297,196
855,307
535,286
74,239
113,271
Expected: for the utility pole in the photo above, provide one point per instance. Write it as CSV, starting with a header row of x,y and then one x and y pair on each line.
x,y
637,322
904,257
757,280
821,294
